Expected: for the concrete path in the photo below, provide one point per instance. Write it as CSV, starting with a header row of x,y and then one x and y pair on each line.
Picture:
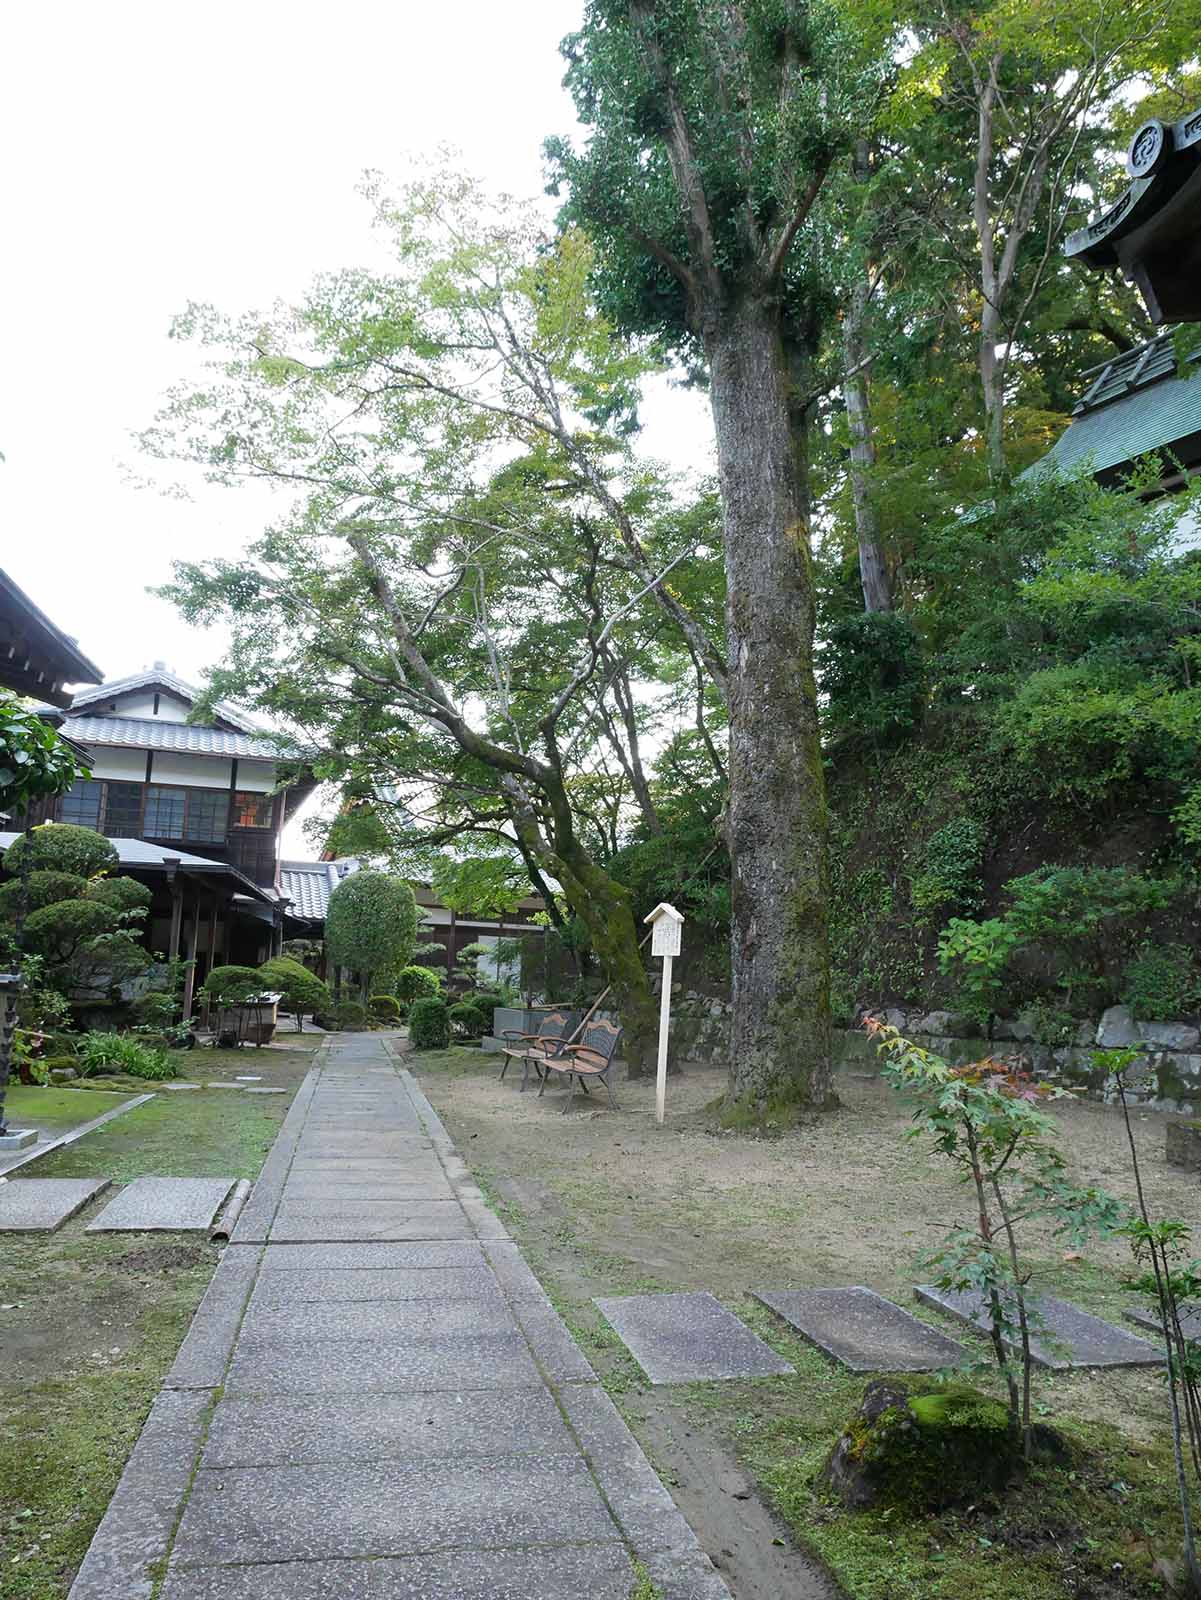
x,y
377,1401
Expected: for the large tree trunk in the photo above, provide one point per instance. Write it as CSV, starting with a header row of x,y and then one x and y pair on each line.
x,y
780,1029
873,571
992,383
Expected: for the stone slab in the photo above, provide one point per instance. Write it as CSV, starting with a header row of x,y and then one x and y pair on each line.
x,y
18,1138
862,1331
646,1513
163,1205
300,1192
204,1354
367,1366
1143,1317
385,1427
365,1222
1086,1340
338,1286
40,1205
392,1320
298,1513
411,1256
689,1338
564,1572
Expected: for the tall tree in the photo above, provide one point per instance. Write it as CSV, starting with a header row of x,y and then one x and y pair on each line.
x,y
713,126
473,556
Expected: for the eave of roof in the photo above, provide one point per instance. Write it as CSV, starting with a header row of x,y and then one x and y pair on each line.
x,y
159,678
140,855
153,733
78,668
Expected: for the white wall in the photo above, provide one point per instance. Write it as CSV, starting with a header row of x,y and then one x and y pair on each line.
x,y
196,772
256,777
128,766
141,704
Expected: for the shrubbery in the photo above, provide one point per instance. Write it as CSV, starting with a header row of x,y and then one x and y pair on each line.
x,y
429,1024
385,1007
1161,982
233,986
121,1053
417,983
351,1015
468,1021
301,992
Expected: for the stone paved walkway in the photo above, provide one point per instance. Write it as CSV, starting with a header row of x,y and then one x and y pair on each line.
x,y
377,1401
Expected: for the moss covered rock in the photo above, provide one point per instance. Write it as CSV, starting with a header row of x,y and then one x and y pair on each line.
x,y
922,1447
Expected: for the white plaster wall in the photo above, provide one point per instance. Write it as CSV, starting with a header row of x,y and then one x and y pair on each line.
x,y
141,704
437,917
128,766
196,772
256,777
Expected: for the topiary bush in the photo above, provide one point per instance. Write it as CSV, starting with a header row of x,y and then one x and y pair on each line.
x,y
350,1015
301,992
429,1024
385,1007
62,847
370,925
417,983
467,1020
233,986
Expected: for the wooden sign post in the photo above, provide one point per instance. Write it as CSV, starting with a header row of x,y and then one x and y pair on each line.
x,y
666,923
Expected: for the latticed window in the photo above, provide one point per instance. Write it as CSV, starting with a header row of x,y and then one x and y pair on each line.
x,y
164,812
123,810
208,815
252,810
81,803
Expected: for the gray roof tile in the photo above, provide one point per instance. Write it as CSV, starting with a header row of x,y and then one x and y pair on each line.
x,y
152,733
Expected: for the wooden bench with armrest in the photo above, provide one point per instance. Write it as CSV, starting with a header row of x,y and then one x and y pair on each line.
x,y
592,1056
532,1049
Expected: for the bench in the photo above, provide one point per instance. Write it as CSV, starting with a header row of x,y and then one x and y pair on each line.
x,y
532,1049
593,1056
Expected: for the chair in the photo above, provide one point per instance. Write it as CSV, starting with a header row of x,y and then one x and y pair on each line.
x,y
590,1057
531,1049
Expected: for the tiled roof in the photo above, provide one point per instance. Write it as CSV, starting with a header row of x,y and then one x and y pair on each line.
x,y
152,733
141,853
1135,404
309,884
159,678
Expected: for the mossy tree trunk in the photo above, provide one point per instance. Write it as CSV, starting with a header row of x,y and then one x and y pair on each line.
x,y
780,1029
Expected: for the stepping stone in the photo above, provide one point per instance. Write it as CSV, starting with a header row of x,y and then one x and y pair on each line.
x,y
863,1331
1082,1340
163,1205
688,1338
40,1205
1190,1320
18,1138
247,1077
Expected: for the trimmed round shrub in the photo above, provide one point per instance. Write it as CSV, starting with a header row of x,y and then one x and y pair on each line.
x,y
385,1007
62,847
349,1014
468,1021
370,924
417,983
119,894
232,986
429,1024
43,888
487,1000
300,990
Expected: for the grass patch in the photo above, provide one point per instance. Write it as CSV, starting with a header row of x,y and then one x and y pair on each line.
x,y
457,1062
55,1109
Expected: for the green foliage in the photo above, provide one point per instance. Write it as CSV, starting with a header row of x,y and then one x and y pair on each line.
x,y
301,992
873,677
121,1053
467,1020
987,1121
385,1008
351,1015
1161,982
126,896
34,760
61,931
976,955
417,983
429,1024
62,847
950,874
41,888
371,924
233,985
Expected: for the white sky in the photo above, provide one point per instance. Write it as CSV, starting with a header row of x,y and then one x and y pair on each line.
x,y
160,153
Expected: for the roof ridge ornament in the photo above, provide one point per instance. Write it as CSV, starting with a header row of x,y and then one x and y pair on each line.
x,y
1153,230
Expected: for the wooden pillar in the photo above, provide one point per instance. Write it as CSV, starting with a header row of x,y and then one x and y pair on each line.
x,y
212,949
176,910
189,978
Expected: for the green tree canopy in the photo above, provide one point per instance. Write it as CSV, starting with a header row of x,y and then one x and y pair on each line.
x,y
370,926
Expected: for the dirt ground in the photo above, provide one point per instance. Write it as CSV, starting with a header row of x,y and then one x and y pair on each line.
x,y
605,1202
